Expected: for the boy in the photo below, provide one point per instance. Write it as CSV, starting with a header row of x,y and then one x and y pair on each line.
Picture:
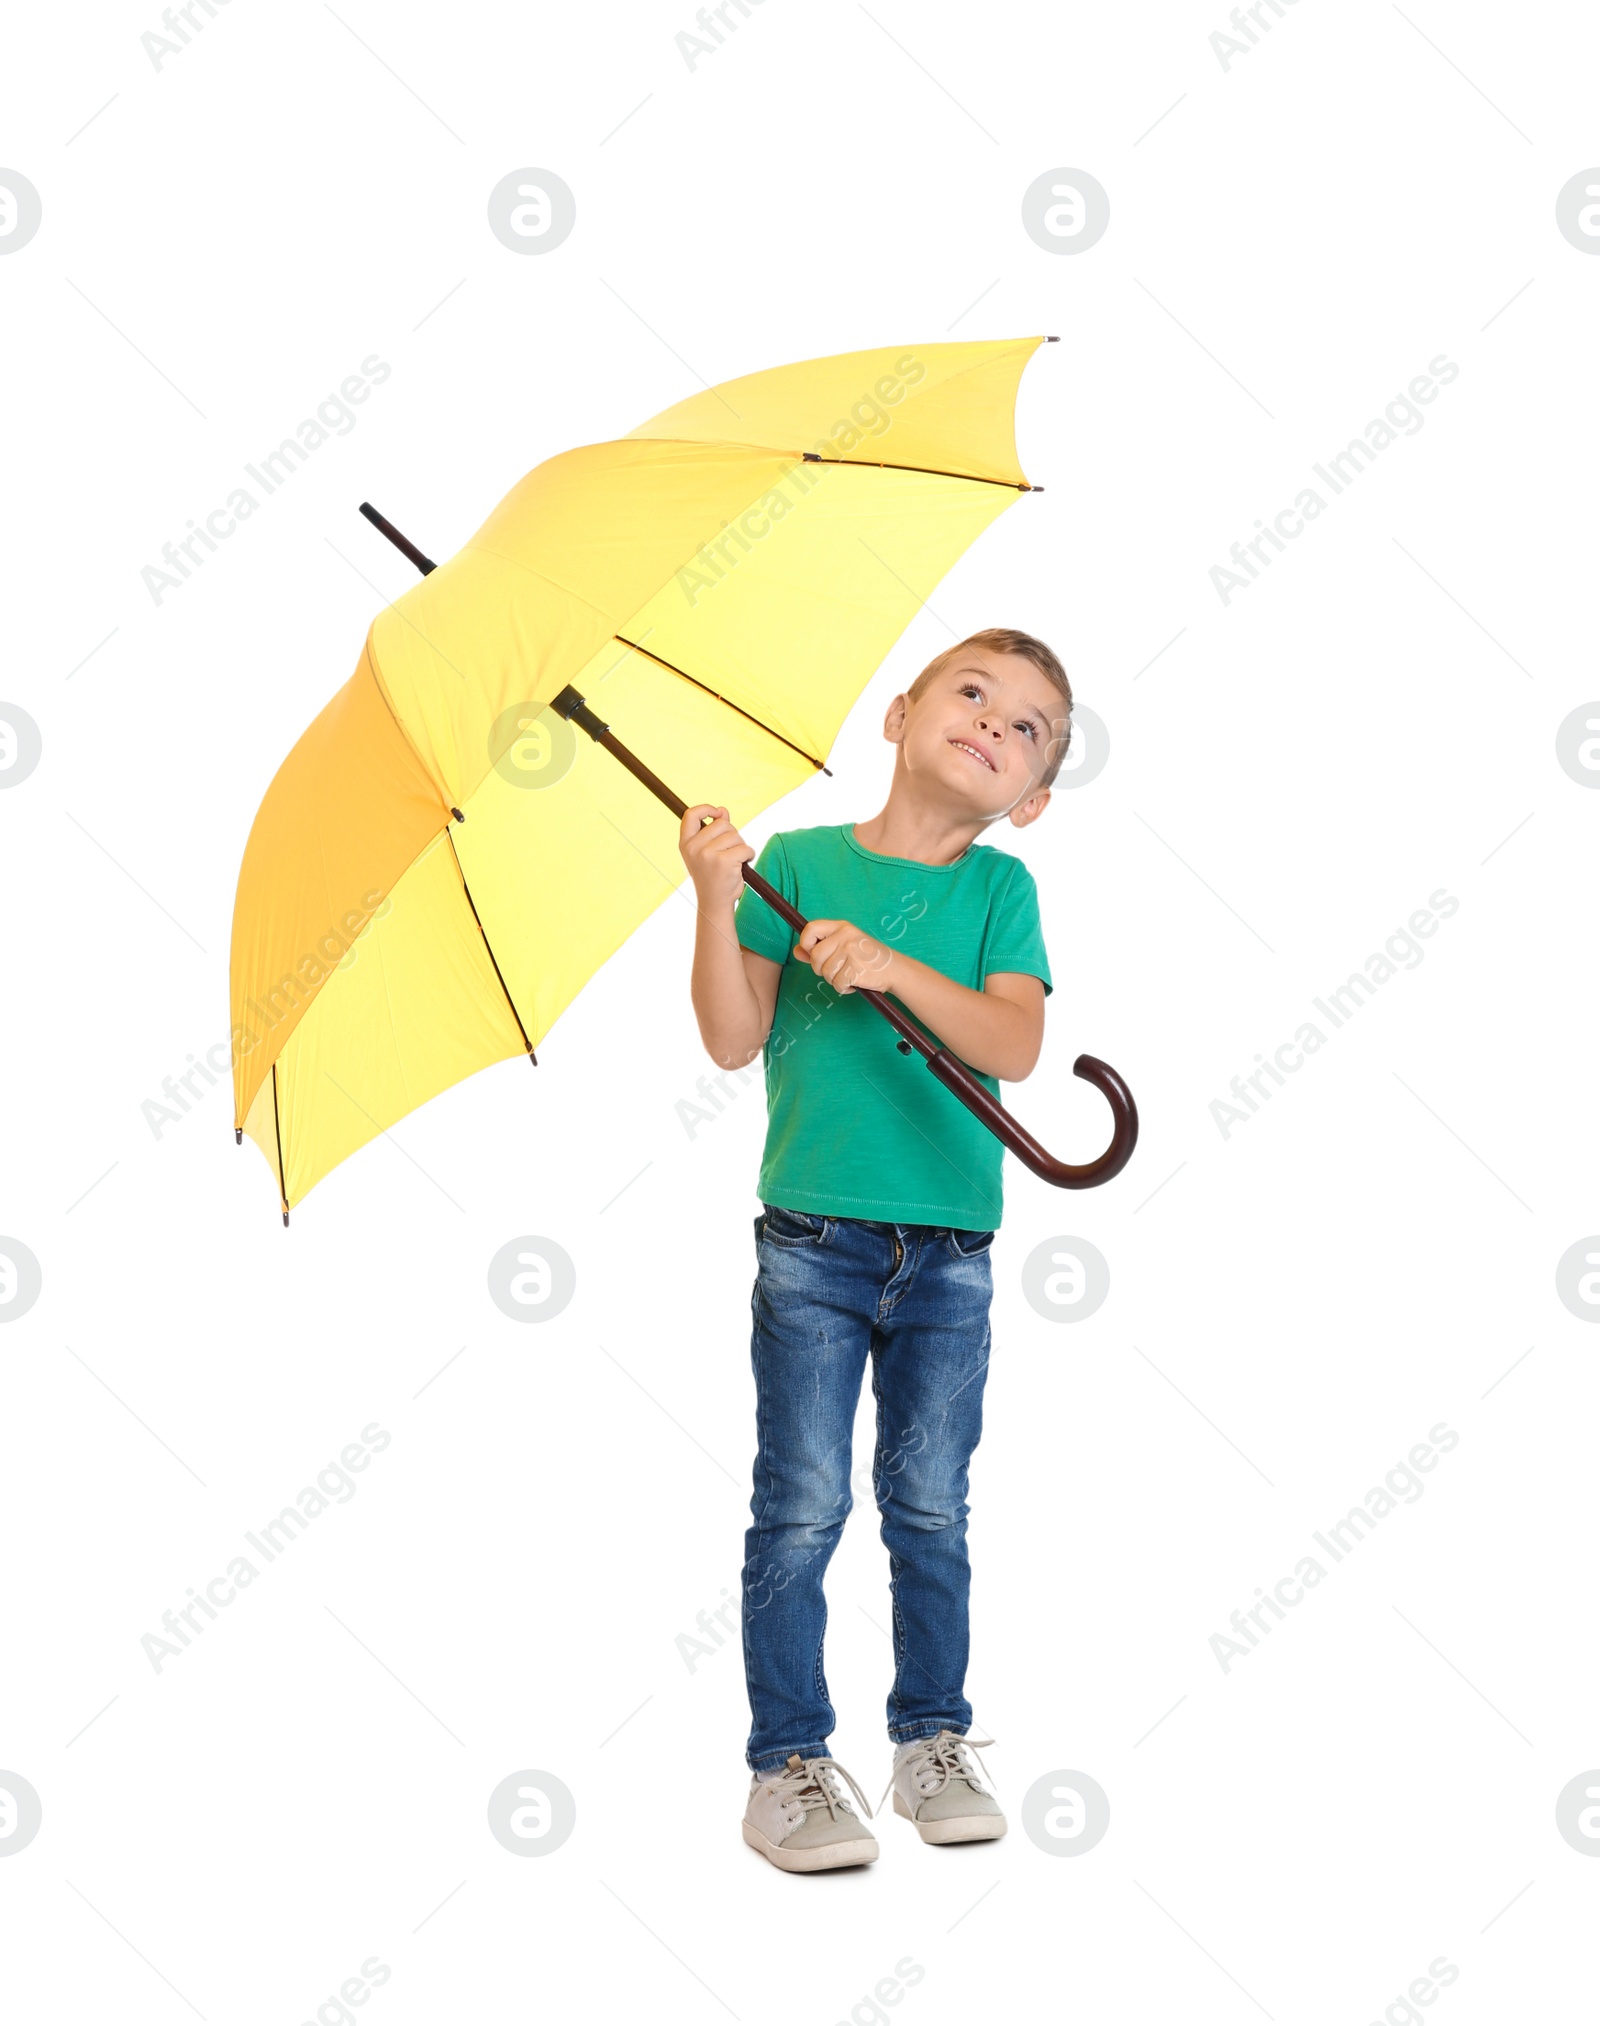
x,y
880,1195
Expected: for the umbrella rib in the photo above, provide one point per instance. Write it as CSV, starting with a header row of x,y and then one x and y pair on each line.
x,y
873,464
277,1134
722,699
471,903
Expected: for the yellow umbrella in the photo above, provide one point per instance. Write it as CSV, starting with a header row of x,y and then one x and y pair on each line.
x,y
441,863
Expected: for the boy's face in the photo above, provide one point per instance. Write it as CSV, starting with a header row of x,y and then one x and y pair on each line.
x,y
981,735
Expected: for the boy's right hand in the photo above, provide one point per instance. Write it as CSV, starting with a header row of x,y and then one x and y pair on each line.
x,y
713,852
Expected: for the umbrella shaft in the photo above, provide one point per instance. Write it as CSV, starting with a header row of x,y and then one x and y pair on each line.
x,y
571,706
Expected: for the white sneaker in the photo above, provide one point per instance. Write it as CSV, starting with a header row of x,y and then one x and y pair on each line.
x,y
799,1819
937,1787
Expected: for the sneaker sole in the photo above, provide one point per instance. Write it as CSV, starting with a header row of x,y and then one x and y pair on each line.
x,y
815,1857
955,1828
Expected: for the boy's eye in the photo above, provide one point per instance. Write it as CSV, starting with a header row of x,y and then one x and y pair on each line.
x,y
1022,724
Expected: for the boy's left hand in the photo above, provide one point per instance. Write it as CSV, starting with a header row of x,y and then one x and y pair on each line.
x,y
845,956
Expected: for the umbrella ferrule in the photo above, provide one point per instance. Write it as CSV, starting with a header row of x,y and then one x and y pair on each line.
x,y
572,707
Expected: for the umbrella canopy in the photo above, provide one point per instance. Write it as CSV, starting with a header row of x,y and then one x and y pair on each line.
x,y
442,863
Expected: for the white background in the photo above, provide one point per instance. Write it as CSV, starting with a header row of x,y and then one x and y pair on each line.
x,y
1293,238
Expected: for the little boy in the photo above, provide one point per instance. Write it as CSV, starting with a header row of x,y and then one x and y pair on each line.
x,y
880,1196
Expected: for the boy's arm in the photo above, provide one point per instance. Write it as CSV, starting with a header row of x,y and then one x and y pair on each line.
x,y
734,990
998,1031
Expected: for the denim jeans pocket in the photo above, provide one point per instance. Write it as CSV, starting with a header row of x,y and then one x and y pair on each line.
x,y
779,1226
967,1244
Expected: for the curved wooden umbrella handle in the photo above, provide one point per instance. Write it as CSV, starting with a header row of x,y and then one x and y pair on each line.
x,y
956,1077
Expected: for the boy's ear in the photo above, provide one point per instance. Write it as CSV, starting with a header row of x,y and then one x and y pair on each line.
x,y
894,719
1030,808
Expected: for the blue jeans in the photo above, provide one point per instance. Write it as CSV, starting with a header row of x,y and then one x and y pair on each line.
x,y
828,1291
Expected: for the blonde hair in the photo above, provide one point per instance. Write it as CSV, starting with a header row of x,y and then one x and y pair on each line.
x,y
1008,640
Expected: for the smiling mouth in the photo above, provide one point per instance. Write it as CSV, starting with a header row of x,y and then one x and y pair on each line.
x,y
982,758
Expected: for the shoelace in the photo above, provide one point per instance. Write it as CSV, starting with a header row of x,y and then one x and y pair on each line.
x,y
813,1785
938,1760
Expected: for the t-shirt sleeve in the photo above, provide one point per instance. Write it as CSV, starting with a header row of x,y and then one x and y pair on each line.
x,y
1016,936
757,926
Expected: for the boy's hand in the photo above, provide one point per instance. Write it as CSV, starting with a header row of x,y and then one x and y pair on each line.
x,y
713,853
846,957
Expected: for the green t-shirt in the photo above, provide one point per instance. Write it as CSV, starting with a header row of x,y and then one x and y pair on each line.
x,y
855,1128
